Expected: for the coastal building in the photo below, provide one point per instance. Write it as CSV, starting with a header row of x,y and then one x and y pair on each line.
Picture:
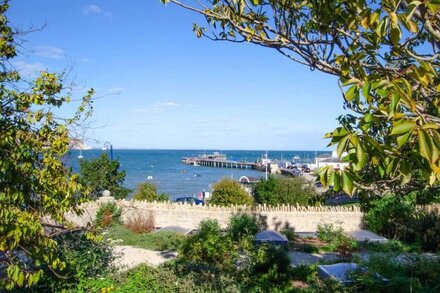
x,y
328,159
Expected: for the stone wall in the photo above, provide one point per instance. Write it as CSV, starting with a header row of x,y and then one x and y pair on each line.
x,y
303,219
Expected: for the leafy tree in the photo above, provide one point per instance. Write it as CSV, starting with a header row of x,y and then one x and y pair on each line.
x,y
148,191
209,248
34,184
284,191
386,56
264,191
228,192
101,174
242,226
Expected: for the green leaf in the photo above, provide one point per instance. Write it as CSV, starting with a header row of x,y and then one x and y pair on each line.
x,y
342,145
403,126
255,2
394,102
366,90
351,93
425,145
405,170
402,139
395,35
347,183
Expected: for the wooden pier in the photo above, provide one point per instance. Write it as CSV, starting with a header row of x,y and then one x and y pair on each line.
x,y
218,163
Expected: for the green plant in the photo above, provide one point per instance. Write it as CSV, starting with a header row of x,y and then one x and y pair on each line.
x,y
228,192
108,214
85,258
419,274
148,192
168,278
336,240
103,174
328,233
35,184
158,240
269,269
242,226
209,248
289,233
400,218
391,246
309,248
282,190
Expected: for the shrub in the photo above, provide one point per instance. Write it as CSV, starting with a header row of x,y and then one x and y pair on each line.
x,y
328,233
242,226
158,240
140,223
400,218
209,248
228,192
265,191
101,174
389,215
283,190
108,214
336,240
420,274
309,248
84,259
167,278
270,268
289,232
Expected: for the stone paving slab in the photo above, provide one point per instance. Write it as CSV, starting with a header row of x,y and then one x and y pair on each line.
x,y
366,236
302,258
178,229
340,271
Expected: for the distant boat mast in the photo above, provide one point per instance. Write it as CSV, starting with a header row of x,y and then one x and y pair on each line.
x,y
266,165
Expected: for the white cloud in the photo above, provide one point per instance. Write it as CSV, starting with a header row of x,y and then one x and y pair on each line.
x,y
169,104
92,9
28,69
95,9
156,108
115,90
49,52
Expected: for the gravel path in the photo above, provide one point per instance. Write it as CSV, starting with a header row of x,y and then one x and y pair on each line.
x,y
128,257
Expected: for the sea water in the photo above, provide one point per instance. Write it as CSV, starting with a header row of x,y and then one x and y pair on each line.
x,y
166,170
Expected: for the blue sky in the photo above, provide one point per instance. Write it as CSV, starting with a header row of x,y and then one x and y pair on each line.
x,y
158,86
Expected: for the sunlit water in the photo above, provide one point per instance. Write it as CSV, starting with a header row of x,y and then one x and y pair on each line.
x,y
173,177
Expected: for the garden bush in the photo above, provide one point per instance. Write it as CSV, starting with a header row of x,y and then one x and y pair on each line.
x,y
336,240
148,192
282,190
400,218
210,249
102,174
228,192
108,214
85,258
243,226
289,232
269,269
159,240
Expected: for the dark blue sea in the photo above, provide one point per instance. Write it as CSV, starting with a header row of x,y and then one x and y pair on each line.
x,y
173,177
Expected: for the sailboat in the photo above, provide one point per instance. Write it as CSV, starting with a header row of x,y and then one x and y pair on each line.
x,y
80,154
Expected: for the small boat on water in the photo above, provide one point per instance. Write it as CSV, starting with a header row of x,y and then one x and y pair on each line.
x,y
150,177
197,175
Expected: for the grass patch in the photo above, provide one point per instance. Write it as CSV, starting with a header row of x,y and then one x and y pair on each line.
x,y
391,246
164,240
